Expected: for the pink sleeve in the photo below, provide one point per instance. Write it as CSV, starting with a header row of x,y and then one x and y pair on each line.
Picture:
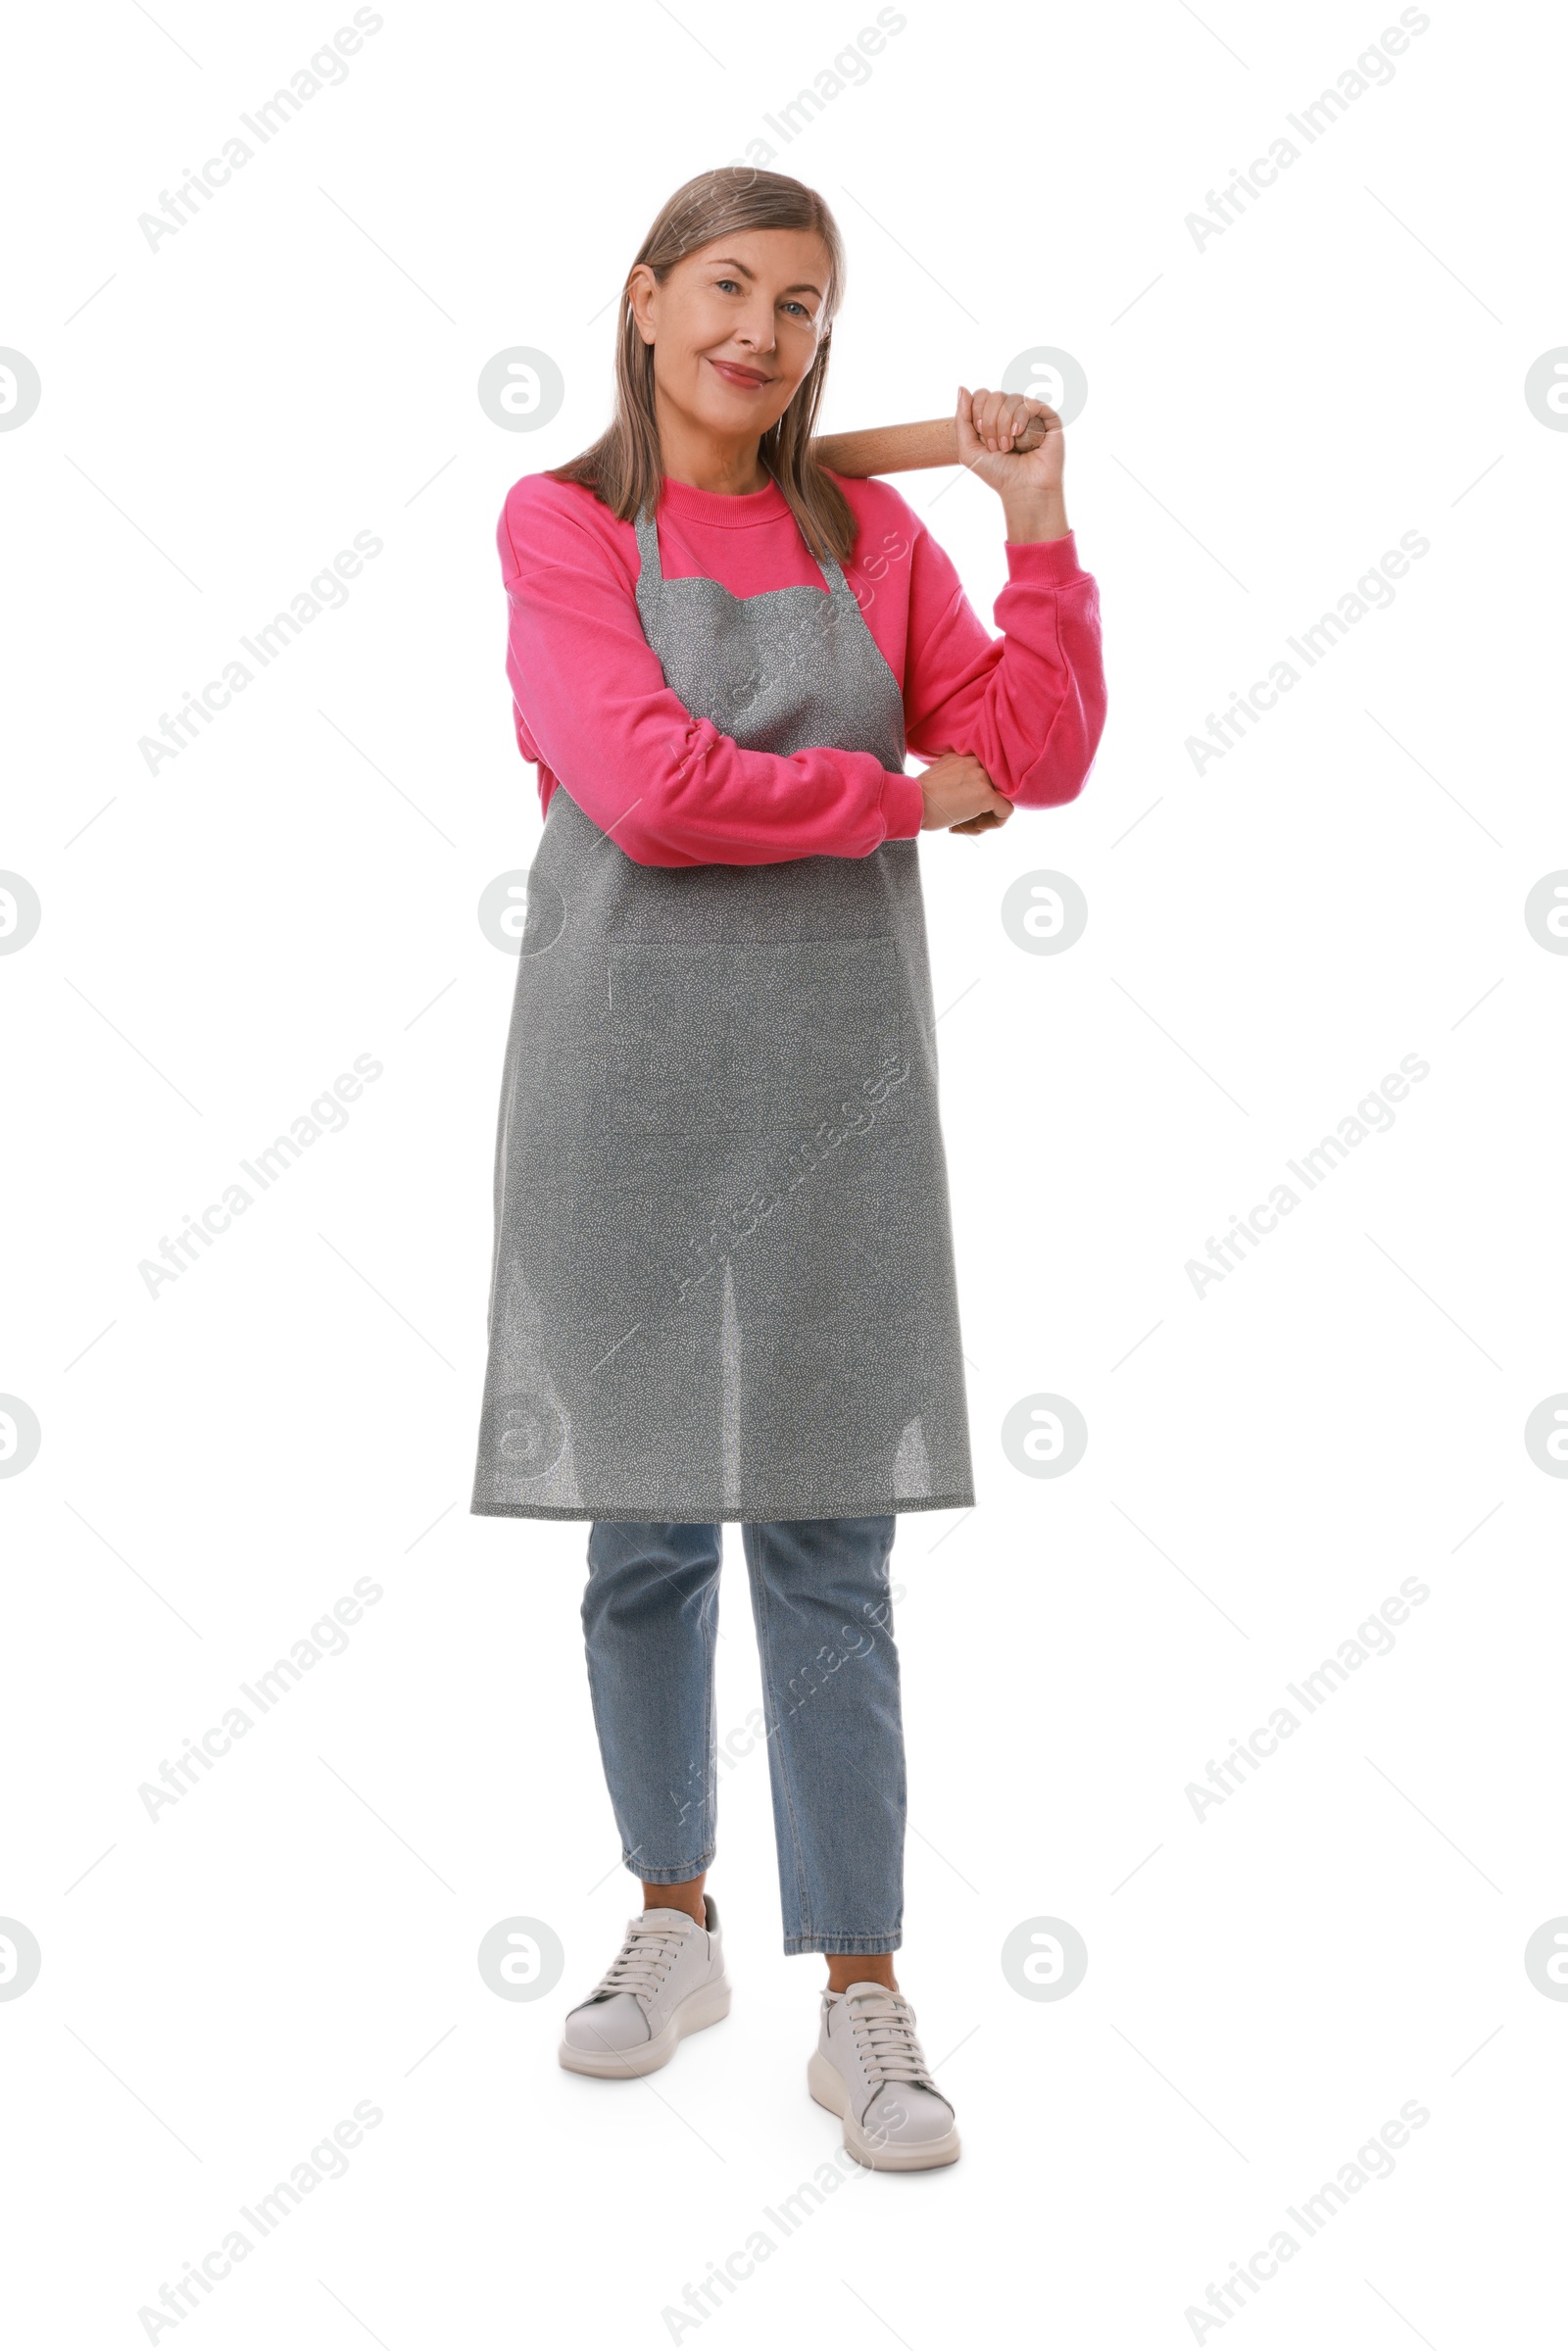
x,y
1030,704
667,786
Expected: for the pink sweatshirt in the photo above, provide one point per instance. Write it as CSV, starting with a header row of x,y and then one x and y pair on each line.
x,y
592,708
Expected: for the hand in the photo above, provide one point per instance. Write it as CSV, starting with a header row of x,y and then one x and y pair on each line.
x,y
988,423
960,796
987,819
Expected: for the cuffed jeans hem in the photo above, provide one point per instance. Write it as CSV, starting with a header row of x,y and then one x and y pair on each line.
x,y
677,1876
841,1945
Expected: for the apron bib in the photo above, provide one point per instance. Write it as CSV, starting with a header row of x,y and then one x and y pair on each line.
x,y
722,1284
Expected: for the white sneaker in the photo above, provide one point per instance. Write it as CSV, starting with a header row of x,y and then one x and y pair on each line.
x,y
870,2069
667,1980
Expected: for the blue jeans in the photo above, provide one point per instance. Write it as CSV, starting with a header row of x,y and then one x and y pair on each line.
x,y
830,1703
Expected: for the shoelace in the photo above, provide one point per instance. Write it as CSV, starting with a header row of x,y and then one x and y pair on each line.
x,y
641,1963
885,2037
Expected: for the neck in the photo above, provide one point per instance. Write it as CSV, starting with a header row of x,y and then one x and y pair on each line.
x,y
704,461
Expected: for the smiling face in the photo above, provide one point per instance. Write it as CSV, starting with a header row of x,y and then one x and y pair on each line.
x,y
735,328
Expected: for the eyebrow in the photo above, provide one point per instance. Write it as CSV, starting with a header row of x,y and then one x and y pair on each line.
x,y
728,262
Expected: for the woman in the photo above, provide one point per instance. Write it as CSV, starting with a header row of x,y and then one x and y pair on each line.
x,y
723,1285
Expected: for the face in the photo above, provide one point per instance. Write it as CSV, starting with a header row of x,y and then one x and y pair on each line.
x,y
735,327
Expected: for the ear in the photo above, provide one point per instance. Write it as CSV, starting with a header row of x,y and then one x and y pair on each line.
x,y
641,286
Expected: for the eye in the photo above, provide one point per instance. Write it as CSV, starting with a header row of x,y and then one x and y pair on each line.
x,y
727,281
801,307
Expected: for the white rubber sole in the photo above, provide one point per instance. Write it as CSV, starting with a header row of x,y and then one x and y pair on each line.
x,y
829,2088
704,2007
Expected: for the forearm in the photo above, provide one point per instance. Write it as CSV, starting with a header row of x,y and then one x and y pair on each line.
x,y
1037,515
705,800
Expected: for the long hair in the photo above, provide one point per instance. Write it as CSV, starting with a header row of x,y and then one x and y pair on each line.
x,y
623,468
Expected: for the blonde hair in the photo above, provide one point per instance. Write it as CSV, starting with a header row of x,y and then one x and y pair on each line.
x,y
623,468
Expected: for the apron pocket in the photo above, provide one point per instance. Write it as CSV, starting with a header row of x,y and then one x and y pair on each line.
x,y
713,1036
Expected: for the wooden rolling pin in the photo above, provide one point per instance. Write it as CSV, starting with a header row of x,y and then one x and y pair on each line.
x,y
904,448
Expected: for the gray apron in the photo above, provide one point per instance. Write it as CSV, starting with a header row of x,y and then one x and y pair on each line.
x,y
722,1285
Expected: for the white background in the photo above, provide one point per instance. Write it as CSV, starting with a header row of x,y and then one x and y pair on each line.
x,y
1265,1464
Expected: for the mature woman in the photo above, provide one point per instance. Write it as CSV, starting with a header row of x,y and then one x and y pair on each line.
x,y
723,1283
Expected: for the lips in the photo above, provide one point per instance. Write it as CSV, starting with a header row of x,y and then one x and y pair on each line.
x,y
746,379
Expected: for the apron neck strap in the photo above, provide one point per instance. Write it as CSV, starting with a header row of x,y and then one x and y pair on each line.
x,y
648,547
651,570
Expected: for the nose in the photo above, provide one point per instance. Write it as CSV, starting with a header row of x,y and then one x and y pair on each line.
x,y
755,327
